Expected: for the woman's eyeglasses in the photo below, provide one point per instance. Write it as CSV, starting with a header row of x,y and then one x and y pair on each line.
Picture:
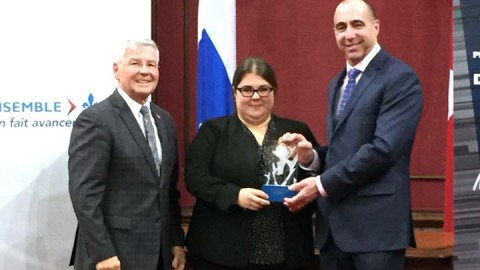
x,y
248,91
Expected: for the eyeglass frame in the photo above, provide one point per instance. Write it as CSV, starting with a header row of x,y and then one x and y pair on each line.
x,y
268,87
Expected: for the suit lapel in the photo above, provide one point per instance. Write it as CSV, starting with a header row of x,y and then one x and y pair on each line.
x,y
333,92
360,89
125,114
162,135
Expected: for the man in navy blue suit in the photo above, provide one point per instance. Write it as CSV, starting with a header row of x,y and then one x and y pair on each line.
x,y
363,194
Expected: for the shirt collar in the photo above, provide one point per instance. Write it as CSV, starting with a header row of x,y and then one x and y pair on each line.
x,y
362,65
132,104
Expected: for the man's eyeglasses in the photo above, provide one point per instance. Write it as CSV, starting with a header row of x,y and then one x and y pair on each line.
x,y
248,91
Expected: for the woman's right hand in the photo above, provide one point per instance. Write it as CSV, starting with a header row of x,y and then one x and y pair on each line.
x,y
252,199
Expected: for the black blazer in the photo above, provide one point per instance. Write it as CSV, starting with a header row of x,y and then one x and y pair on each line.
x,y
123,208
220,161
367,174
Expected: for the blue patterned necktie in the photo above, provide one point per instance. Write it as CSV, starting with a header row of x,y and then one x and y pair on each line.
x,y
150,135
347,93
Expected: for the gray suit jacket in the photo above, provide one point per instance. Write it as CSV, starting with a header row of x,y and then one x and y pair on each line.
x,y
123,208
366,174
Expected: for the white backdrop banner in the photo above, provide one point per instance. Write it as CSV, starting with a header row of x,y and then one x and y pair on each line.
x,y
56,59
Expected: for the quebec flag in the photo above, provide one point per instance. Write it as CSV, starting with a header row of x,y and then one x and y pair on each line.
x,y
216,58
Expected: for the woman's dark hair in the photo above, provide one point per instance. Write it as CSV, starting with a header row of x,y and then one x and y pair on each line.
x,y
257,66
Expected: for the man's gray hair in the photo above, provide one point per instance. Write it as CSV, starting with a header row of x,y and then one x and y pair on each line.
x,y
137,42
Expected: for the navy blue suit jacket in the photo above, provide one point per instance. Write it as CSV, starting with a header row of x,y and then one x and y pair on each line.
x,y
367,163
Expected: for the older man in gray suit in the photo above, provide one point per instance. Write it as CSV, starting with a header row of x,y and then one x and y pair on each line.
x,y
123,174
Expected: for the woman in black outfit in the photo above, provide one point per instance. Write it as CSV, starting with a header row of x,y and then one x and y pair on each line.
x,y
234,225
